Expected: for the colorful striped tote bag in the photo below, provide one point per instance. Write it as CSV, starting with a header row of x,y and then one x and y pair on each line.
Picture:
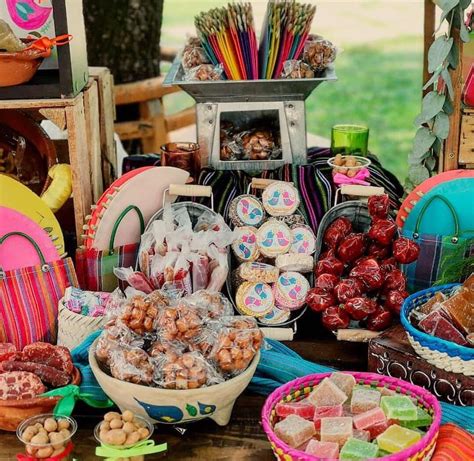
x,y
29,298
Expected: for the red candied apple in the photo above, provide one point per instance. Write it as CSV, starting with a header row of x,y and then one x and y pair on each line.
x,y
334,318
348,288
382,231
378,251
330,265
379,320
351,247
405,251
378,206
336,231
369,272
326,282
359,308
319,299
388,265
394,300
394,280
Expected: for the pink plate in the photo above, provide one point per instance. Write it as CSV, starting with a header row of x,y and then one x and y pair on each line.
x,y
16,251
418,192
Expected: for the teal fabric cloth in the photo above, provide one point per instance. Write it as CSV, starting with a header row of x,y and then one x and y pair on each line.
x,y
279,364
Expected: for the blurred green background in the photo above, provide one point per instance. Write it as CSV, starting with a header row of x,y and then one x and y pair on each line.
x,y
379,68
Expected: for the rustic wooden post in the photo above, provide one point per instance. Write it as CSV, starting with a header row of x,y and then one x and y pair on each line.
x,y
429,26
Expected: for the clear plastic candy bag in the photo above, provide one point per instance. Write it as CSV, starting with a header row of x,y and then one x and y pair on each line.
x,y
133,365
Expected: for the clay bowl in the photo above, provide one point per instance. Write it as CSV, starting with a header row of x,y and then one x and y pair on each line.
x,y
19,67
13,412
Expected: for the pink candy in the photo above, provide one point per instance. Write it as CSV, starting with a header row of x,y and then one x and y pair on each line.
x,y
325,412
364,399
379,428
327,394
325,450
303,409
294,430
369,418
343,381
336,430
362,435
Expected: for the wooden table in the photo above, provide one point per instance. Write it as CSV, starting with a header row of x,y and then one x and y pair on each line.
x,y
243,438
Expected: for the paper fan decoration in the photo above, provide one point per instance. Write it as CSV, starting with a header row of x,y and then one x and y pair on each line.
x,y
16,196
17,251
420,190
143,190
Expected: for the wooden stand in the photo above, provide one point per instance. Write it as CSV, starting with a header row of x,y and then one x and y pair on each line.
x,y
80,117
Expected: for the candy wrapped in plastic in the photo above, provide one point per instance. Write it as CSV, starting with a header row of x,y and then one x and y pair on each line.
x,y
336,231
146,253
379,320
186,371
351,247
141,313
329,265
318,299
204,342
394,300
361,307
115,336
211,304
218,267
319,53
348,288
296,69
377,251
199,271
382,231
180,322
394,280
378,206
368,271
131,364
159,348
204,72
182,272
334,318
326,281
259,144
237,342
194,56
135,279
192,42
405,251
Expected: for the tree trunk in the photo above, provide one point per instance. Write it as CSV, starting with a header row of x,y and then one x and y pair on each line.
x,y
124,35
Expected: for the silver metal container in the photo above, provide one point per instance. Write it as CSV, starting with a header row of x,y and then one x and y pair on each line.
x,y
282,101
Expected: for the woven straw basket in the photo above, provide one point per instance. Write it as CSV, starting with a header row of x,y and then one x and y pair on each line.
x,y
443,354
299,388
74,328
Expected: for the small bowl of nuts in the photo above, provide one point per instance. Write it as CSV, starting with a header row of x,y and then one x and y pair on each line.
x,y
122,430
46,435
348,165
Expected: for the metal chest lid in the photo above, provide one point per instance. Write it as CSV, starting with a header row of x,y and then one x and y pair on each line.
x,y
246,90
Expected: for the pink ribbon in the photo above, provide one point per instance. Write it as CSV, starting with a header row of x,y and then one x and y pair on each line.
x,y
359,178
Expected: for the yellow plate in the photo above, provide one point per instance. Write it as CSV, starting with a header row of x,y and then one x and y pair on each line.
x,y
15,195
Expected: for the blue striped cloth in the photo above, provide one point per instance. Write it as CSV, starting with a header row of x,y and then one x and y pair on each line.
x,y
279,364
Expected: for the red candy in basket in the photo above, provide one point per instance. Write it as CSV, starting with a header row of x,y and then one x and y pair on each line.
x,y
330,265
319,299
337,230
352,247
378,251
379,320
378,206
394,280
394,300
359,308
368,271
348,288
405,251
303,409
326,282
382,231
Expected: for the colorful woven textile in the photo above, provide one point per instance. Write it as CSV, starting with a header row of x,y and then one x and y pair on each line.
x,y
454,444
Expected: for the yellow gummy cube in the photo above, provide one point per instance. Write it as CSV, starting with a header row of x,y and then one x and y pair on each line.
x,y
397,438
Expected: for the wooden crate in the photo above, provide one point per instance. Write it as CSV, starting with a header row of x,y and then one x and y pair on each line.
x,y
79,116
466,144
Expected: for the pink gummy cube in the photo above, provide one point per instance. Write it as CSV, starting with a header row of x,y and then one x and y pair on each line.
x,y
294,430
325,450
377,429
387,391
343,381
369,418
302,408
361,435
337,429
364,399
325,412
327,394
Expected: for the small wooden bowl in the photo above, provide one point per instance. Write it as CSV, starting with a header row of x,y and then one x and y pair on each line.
x,y
20,67
13,412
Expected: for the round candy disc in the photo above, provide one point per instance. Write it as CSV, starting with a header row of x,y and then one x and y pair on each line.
x,y
280,199
245,243
275,317
304,241
246,210
274,238
290,290
255,299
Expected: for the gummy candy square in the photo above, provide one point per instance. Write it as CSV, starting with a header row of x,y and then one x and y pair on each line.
x,y
325,412
327,394
369,418
343,381
423,419
361,435
294,430
364,399
357,450
325,450
303,408
337,429
397,438
398,407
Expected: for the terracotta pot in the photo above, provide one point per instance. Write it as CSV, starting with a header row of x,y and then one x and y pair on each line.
x,y
13,412
19,67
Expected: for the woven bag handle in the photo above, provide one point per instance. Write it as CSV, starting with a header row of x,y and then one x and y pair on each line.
x,y
44,266
454,215
120,219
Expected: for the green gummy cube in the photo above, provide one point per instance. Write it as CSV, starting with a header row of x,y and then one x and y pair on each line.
x,y
355,449
399,407
423,419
